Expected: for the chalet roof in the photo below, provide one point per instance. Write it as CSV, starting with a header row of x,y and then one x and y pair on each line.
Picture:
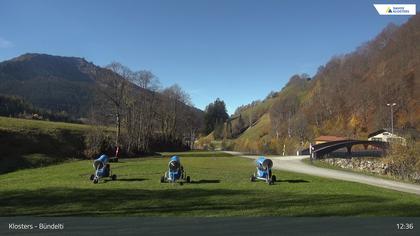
x,y
329,138
377,132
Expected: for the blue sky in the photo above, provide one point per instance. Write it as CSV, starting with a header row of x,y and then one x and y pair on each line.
x,y
236,50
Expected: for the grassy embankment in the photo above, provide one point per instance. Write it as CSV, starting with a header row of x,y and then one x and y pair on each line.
x,y
33,143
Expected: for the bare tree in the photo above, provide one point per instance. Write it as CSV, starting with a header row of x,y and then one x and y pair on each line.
x,y
144,117
145,79
113,89
173,98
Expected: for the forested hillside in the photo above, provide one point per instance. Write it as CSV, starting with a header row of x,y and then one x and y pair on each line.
x,y
346,97
147,118
58,84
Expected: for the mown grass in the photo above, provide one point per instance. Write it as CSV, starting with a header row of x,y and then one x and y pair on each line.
x,y
220,187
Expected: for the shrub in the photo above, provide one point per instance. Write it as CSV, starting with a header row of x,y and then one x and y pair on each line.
x,y
227,145
404,161
204,142
97,141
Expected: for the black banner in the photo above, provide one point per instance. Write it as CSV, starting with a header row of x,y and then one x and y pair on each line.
x,y
209,226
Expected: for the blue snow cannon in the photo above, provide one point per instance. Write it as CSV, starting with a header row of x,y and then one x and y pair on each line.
x,y
175,173
264,172
102,169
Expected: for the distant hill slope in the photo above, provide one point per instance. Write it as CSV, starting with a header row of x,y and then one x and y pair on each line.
x,y
55,83
346,97
50,82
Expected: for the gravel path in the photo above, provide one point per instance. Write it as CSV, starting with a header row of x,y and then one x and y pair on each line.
x,y
295,164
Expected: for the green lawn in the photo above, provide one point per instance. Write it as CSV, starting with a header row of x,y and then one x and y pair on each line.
x,y
220,187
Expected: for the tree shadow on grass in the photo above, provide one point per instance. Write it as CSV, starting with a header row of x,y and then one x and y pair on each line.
x,y
198,154
194,202
127,180
205,181
292,180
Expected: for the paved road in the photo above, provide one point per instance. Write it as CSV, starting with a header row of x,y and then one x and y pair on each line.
x,y
295,164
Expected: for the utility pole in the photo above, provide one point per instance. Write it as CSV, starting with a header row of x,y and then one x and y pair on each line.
x,y
392,115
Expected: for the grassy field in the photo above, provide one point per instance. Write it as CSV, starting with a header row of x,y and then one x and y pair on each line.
x,y
220,187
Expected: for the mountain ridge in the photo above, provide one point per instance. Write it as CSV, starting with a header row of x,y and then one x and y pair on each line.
x,y
59,84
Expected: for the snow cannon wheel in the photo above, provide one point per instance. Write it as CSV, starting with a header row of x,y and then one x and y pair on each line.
x,y
92,177
162,179
188,179
252,178
273,179
114,177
